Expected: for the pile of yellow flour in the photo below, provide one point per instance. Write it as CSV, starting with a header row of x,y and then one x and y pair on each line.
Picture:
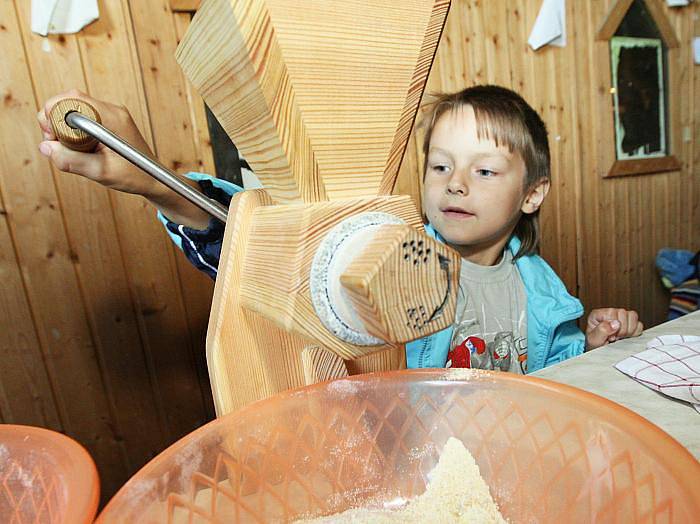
x,y
456,493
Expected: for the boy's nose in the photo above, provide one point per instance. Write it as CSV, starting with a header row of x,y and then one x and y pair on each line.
x,y
456,187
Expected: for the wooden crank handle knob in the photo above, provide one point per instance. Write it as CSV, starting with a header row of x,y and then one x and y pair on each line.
x,y
74,139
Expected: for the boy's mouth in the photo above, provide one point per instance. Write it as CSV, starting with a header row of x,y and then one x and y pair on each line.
x,y
456,213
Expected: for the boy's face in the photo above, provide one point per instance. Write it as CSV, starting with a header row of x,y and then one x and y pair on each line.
x,y
473,192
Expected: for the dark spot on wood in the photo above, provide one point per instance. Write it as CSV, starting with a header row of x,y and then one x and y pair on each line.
x,y
3,212
154,69
154,41
49,254
61,39
184,125
176,164
26,162
118,319
73,256
495,39
3,28
9,100
149,311
51,206
37,208
109,36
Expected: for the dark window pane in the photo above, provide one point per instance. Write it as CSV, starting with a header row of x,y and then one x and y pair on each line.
x,y
640,108
226,160
638,22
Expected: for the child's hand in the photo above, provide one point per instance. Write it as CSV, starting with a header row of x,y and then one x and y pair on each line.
x,y
610,324
103,165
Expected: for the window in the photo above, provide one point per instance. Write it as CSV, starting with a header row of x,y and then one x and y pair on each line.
x,y
640,43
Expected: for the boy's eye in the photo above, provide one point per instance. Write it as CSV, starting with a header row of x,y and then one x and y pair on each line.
x,y
440,168
485,172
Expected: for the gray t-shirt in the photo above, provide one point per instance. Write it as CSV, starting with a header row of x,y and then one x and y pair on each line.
x,y
490,328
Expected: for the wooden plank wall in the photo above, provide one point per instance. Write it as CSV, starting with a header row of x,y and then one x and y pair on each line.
x,y
600,235
102,323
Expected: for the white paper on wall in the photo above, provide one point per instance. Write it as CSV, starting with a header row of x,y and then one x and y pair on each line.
x,y
550,25
62,16
677,3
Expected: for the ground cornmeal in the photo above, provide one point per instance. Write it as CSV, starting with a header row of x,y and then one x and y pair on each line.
x,y
456,493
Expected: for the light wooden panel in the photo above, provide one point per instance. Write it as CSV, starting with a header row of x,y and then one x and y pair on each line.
x,y
71,338
627,221
103,322
173,141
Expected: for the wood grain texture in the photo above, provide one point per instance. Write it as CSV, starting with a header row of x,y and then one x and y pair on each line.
x,y
188,6
73,336
188,292
297,87
403,284
643,166
320,365
250,357
74,139
280,250
98,339
619,10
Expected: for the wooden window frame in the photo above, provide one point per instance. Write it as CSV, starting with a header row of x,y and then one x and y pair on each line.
x,y
184,5
609,165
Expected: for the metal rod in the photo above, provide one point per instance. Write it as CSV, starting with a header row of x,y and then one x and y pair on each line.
x,y
150,166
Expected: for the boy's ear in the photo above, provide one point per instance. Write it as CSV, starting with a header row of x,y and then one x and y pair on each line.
x,y
535,196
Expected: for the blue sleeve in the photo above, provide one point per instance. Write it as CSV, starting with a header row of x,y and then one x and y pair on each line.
x,y
571,343
203,247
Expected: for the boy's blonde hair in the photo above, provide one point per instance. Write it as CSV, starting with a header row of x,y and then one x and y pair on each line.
x,y
504,117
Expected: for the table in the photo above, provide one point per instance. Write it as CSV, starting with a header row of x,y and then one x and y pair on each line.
x,y
594,372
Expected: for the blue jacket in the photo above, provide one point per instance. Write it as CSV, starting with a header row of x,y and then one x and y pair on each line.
x,y
552,332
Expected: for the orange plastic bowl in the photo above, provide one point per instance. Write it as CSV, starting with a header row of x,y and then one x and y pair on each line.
x,y
45,477
549,452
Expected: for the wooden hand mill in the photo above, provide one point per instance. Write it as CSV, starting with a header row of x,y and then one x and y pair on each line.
x,y
320,97
323,272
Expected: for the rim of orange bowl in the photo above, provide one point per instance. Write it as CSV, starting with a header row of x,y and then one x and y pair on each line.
x,y
683,465
79,458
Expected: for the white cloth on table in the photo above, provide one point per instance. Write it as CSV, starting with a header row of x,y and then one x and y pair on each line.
x,y
670,365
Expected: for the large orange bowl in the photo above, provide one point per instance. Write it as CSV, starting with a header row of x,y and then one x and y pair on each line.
x,y
45,477
549,452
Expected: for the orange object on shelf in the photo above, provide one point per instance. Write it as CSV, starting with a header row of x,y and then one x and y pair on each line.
x,y
549,452
45,477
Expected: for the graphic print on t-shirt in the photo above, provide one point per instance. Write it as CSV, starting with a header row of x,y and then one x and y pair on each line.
x,y
472,348
490,330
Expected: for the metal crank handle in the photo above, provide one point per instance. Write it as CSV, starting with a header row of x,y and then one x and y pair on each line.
x,y
77,125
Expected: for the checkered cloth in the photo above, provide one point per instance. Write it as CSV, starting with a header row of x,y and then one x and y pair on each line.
x,y
671,365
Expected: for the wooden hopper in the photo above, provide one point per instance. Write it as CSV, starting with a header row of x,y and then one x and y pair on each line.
x,y
320,97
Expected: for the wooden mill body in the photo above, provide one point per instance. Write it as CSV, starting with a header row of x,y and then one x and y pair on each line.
x,y
320,97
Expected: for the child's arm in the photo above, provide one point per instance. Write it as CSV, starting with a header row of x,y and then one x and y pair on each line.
x,y
109,169
610,324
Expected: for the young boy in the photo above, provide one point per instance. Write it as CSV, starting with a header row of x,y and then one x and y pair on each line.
x,y
486,175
